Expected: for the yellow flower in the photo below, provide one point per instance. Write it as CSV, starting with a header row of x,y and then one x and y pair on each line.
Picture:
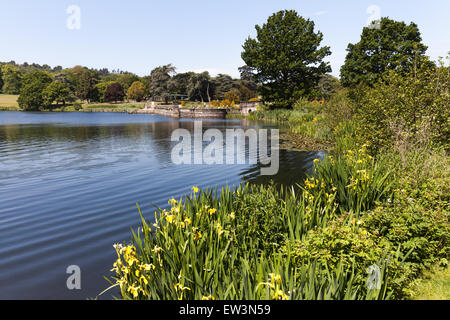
x,y
172,201
232,215
280,295
179,286
212,211
147,267
208,298
195,189
134,291
170,218
157,249
275,278
220,229
197,236
188,221
143,279
316,160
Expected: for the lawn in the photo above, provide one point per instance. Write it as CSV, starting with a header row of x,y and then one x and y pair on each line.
x,y
435,285
8,102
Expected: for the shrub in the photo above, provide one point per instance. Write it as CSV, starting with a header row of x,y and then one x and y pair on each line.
x,y
219,246
77,106
354,181
410,101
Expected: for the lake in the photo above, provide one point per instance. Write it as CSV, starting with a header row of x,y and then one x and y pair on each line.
x,y
69,184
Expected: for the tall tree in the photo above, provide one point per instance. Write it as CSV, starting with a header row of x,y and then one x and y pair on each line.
x,y
55,91
100,89
327,86
159,82
114,93
201,87
127,79
179,82
1,78
12,79
286,57
83,81
223,84
31,92
393,46
246,72
137,91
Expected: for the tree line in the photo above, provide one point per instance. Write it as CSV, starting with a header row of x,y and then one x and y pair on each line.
x,y
283,63
40,86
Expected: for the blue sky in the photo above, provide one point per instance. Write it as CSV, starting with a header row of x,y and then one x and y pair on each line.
x,y
193,35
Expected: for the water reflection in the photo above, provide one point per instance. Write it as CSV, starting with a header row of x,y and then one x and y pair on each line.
x,y
69,183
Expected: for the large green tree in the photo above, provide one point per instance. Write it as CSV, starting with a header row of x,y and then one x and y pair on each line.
x,y
56,91
137,91
1,78
201,87
393,46
223,83
286,57
31,93
12,79
179,82
127,79
82,82
160,81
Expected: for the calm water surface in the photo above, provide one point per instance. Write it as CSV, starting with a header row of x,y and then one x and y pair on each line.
x,y
69,183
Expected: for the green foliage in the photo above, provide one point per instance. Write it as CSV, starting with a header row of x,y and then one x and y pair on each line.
x,y
77,106
31,92
434,285
212,246
344,242
160,81
55,91
347,136
400,107
338,109
137,91
127,79
286,56
200,87
82,81
11,79
327,86
355,182
392,46
100,89
1,78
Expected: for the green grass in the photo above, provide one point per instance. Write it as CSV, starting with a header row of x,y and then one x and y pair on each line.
x,y
434,285
119,107
9,102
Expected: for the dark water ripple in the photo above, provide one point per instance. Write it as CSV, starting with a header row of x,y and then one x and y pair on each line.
x,y
69,184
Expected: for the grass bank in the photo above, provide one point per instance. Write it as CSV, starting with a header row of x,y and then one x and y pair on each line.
x,y
8,102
